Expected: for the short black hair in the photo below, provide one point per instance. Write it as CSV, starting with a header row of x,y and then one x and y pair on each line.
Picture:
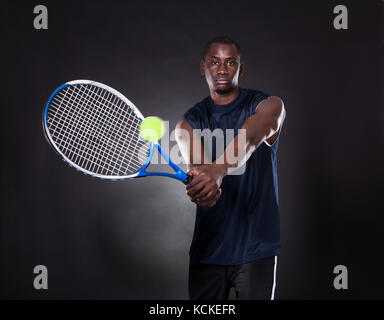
x,y
221,39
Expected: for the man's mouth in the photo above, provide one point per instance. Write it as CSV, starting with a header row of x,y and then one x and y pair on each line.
x,y
221,81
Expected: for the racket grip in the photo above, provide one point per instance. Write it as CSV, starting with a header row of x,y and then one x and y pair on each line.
x,y
187,180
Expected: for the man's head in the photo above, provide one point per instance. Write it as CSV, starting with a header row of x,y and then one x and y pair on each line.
x,y
221,64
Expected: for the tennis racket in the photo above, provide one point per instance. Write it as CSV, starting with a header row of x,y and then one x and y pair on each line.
x,y
95,129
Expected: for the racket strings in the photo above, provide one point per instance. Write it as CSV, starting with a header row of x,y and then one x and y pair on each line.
x,y
91,135
81,155
71,130
97,118
96,130
90,167
102,134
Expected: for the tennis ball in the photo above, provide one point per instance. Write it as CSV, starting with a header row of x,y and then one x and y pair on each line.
x,y
152,129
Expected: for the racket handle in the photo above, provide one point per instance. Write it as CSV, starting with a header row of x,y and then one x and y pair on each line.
x,y
187,180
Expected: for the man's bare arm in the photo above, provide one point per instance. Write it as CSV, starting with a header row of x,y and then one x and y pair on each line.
x,y
264,125
191,146
260,127
195,155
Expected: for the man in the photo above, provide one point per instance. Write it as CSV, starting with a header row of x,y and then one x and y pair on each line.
x,y
237,233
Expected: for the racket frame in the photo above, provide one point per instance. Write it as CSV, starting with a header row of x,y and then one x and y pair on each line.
x,y
179,174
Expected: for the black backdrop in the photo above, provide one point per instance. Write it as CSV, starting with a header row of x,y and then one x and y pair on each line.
x,y
130,239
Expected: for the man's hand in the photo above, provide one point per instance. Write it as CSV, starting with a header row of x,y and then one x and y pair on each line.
x,y
204,189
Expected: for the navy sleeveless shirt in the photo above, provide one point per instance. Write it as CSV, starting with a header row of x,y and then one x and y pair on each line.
x,y
244,224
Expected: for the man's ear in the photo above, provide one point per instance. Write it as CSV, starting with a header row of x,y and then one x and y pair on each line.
x,y
202,68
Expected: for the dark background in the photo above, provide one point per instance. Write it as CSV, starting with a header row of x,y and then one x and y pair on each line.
x,y
130,239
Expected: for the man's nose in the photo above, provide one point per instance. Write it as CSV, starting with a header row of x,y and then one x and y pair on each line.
x,y
222,69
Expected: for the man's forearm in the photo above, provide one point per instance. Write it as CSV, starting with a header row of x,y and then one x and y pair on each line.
x,y
256,129
237,152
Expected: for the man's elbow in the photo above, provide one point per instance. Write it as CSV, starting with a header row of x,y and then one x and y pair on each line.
x,y
277,114
272,115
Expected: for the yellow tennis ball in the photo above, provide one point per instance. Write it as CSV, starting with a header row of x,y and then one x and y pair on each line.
x,y
152,129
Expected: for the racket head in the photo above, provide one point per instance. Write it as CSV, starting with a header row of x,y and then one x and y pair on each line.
x,y
95,129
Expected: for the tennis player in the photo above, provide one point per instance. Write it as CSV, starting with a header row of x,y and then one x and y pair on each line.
x,y
236,239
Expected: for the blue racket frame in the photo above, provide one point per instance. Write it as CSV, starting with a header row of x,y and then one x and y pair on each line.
x,y
178,175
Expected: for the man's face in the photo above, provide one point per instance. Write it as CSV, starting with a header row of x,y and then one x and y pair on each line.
x,y
222,67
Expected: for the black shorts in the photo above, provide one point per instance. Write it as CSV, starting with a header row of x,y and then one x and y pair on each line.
x,y
255,280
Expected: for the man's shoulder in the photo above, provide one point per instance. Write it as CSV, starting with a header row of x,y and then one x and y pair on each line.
x,y
253,99
255,93
198,108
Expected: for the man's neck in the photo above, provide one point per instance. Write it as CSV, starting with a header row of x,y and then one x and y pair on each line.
x,y
222,99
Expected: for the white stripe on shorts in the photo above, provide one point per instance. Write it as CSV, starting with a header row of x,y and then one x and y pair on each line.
x,y
274,280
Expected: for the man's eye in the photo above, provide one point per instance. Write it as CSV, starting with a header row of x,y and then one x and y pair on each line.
x,y
231,63
214,62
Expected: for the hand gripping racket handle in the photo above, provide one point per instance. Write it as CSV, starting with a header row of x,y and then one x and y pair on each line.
x,y
187,180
